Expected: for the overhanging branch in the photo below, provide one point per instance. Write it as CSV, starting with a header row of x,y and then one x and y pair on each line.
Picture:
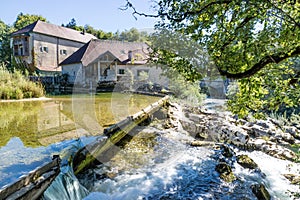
x,y
175,19
275,58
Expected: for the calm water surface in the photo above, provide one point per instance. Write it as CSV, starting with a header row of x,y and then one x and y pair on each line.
x,y
31,132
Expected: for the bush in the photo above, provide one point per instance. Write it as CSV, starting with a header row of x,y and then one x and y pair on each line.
x,y
187,92
16,86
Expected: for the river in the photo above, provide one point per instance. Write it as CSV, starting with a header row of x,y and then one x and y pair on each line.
x,y
31,132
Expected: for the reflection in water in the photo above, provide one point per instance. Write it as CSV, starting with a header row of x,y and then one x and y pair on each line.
x,y
31,132
42,123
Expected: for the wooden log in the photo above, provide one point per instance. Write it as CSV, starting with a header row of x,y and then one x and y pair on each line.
x,y
34,184
104,150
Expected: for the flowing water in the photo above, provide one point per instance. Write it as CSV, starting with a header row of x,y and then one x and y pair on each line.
x,y
155,164
158,164
32,131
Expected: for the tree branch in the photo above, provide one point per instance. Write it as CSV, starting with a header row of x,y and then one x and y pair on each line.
x,y
286,14
175,19
275,58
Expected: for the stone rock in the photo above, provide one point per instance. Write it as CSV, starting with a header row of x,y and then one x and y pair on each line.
x,y
277,151
195,130
293,178
260,191
225,172
263,123
232,134
293,131
227,151
288,138
259,143
258,131
198,143
246,162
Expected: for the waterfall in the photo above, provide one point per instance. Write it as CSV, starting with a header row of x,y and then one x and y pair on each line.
x,y
65,187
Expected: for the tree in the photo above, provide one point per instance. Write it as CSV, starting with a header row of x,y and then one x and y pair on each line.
x,y
132,35
242,36
73,25
255,41
271,90
24,20
5,50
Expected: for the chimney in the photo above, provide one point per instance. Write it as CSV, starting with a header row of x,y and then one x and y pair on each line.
x,y
130,55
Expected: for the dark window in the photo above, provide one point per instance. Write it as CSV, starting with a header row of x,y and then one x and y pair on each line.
x,y
21,51
121,71
45,49
63,52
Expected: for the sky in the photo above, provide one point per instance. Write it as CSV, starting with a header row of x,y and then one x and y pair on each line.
x,y
100,14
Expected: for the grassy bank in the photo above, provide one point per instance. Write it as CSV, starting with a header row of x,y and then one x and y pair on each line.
x,y
16,86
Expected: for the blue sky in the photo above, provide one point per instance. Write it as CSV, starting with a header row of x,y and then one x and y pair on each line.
x,y
100,14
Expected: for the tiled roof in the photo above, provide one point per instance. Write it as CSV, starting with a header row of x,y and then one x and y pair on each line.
x,y
95,48
56,31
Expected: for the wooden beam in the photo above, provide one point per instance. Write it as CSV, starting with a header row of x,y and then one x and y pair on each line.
x,y
105,149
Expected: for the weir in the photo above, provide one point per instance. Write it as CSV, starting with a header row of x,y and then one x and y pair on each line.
x,y
34,184
52,181
103,150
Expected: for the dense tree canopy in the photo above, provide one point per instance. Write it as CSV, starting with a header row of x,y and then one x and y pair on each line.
x,y
26,19
5,50
241,36
132,35
256,41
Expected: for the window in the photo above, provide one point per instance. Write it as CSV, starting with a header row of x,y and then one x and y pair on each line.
x,y
121,71
63,52
44,49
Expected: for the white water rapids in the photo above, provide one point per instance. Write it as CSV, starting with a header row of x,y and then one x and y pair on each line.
x,y
170,169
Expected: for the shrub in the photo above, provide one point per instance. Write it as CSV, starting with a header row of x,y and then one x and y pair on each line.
x,y
16,86
187,92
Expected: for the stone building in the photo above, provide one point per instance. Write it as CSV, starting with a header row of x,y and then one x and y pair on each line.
x,y
108,60
41,46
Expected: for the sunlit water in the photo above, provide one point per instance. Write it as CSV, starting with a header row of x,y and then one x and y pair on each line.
x,y
164,167
32,132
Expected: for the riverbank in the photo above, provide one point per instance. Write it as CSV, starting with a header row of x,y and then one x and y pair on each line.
x,y
26,100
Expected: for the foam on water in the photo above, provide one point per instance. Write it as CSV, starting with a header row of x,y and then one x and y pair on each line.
x,y
182,172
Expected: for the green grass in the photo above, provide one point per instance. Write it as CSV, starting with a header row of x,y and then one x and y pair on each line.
x,y
16,86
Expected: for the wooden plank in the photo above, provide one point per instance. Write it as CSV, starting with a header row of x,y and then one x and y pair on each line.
x,y
32,177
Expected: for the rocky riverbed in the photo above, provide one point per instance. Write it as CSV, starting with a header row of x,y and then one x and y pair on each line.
x,y
201,153
235,138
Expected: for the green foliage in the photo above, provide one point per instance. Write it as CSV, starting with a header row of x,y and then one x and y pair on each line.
x,y
272,90
16,86
177,54
132,35
186,92
5,50
241,37
253,40
26,19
